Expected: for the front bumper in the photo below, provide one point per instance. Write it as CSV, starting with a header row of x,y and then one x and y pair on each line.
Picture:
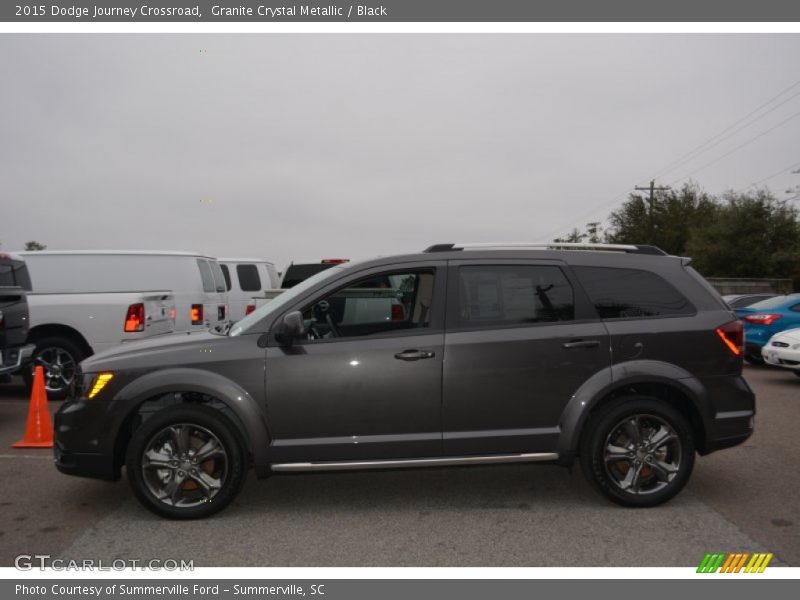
x,y
83,444
16,358
781,357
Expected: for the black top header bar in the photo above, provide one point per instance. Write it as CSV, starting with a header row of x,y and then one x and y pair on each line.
x,y
245,11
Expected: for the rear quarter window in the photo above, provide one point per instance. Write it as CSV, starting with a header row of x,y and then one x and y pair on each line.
x,y
631,293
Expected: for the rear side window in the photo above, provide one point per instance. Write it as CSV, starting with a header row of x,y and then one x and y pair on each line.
x,y
297,273
206,276
500,295
249,281
6,275
770,303
631,293
13,274
219,278
227,274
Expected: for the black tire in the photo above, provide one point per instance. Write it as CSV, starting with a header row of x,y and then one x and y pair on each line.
x,y
606,423
797,373
203,419
43,347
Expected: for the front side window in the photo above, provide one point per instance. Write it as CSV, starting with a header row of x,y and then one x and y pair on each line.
x,y
249,281
378,304
631,293
501,295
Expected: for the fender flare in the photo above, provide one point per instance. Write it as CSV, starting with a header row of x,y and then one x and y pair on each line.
x,y
249,413
602,383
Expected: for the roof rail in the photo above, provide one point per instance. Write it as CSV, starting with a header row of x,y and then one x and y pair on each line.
x,y
629,248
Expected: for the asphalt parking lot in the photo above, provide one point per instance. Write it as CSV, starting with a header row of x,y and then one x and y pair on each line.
x,y
745,498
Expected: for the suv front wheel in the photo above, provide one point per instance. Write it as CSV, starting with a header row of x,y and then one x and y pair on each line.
x,y
637,451
186,462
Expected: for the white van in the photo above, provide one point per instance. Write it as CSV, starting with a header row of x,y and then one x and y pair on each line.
x,y
195,281
246,279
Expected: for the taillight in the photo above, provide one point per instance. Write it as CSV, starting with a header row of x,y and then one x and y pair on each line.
x,y
732,335
197,314
397,312
134,320
761,319
249,308
334,261
173,314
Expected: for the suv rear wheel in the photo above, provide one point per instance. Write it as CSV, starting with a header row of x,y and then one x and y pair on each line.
x,y
637,451
186,462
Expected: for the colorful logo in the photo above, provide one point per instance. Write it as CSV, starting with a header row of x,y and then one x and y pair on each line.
x,y
735,563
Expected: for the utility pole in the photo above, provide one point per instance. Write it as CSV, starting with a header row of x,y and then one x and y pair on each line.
x,y
652,189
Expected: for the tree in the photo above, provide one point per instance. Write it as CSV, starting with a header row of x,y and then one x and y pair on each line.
x,y
34,245
751,235
675,215
593,234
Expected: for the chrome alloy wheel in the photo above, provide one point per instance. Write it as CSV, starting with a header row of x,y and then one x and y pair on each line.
x,y
642,454
184,465
59,368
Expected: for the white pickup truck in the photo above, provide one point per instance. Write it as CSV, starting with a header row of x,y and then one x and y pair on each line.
x,y
84,303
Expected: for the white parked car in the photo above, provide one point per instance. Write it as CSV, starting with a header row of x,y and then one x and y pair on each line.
x,y
83,302
783,350
245,280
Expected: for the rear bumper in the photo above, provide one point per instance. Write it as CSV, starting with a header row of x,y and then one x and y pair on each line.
x,y
16,358
734,419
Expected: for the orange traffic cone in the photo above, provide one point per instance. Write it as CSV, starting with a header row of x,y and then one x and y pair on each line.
x,y
39,428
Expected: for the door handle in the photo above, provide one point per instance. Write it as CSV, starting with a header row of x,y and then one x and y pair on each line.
x,y
414,355
581,344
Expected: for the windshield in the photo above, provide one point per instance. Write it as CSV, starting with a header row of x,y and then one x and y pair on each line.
x,y
279,302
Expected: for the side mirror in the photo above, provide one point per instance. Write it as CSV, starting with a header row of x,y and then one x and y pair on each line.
x,y
293,326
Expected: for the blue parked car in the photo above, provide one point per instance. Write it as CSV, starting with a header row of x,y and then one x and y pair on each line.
x,y
764,319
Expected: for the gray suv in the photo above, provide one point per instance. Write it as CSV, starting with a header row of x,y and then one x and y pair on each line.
x,y
618,356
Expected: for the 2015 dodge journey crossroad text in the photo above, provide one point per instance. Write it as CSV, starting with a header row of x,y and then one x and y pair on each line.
x,y
617,356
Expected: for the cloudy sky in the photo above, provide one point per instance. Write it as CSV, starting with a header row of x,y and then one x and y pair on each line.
x,y
309,146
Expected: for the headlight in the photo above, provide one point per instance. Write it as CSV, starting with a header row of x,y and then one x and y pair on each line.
x,y
98,383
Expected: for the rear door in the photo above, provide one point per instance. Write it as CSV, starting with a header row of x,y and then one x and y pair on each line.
x,y
521,338
212,310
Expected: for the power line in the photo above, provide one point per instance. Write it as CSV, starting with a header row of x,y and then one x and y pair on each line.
x,y
675,164
702,146
737,148
760,181
715,140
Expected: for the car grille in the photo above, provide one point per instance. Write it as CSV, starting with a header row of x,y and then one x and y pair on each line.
x,y
790,363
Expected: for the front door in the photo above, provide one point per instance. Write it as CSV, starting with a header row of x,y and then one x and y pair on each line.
x,y
521,339
366,384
